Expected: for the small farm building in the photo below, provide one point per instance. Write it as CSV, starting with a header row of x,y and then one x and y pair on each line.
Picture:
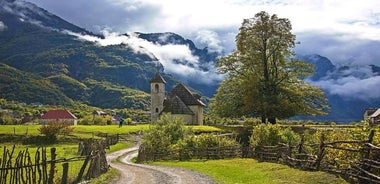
x,y
58,116
373,115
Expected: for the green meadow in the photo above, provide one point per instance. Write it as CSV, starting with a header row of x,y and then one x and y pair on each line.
x,y
250,171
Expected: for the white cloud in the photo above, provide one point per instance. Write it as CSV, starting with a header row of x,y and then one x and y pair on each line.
x,y
352,87
2,26
340,23
176,59
354,82
210,39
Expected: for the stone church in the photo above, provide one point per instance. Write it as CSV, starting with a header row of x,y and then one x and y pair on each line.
x,y
180,102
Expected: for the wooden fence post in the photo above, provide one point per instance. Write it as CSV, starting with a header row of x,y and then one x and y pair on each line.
x,y
300,146
52,165
367,154
65,173
320,152
81,171
370,140
44,167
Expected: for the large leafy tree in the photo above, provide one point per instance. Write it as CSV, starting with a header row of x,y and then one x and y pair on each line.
x,y
262,78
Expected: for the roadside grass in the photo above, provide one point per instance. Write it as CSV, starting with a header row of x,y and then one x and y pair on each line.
x,y
106,178
242,171
119,146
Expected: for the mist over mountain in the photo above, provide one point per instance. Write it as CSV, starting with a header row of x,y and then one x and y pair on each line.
x,y
46,59
350,89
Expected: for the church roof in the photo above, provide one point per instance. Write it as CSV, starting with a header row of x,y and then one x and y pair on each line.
x,y
157,78
186,96
175,105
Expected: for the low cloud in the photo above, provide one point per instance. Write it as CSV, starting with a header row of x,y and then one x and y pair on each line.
x,y
2,26
352,87
354,83
177,59
210,39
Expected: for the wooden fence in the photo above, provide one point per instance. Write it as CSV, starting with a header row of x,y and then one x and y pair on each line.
x,y
23,168
361,163
146,154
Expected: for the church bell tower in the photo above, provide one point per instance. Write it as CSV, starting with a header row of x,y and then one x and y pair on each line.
x,y
157,93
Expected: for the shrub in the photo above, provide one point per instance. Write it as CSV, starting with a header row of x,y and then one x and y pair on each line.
x,y
166,132
288,136
207,141
52,129
251,122
128,121
195,145
265,135
271,135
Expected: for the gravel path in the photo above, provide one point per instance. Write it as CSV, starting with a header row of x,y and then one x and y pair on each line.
x,y
131,173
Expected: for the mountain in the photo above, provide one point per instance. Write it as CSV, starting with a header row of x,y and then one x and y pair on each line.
x,y
322,65
54,66
350,89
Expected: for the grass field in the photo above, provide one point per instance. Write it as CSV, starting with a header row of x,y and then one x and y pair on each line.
x,y
66,146
246,171
78,130
86,131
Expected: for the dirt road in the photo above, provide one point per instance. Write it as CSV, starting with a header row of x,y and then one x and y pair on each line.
x,y
132,173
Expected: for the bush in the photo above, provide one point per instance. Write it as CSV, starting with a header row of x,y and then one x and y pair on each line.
x,y
166,132
265,135
170,135
271,135
204,141
52,129
251,122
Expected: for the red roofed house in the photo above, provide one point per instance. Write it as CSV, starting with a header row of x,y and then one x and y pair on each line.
x,y
58,116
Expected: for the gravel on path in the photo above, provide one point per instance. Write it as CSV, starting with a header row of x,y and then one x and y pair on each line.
x,y
133,173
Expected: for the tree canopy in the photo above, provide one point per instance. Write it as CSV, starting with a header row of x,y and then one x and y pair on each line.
x,y
262,77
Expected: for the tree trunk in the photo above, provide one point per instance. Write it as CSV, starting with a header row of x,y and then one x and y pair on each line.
x,y
263,119
272,120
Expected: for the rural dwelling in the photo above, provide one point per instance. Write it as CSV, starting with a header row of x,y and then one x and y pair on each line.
x,y
58,116
373,115
180,102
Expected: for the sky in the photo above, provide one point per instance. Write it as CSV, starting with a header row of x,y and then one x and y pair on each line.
x,y
345,31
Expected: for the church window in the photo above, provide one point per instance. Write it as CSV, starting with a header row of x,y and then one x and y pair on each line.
x,y
156,110
157,88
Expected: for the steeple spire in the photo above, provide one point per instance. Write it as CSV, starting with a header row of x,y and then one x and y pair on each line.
x,y
157,78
